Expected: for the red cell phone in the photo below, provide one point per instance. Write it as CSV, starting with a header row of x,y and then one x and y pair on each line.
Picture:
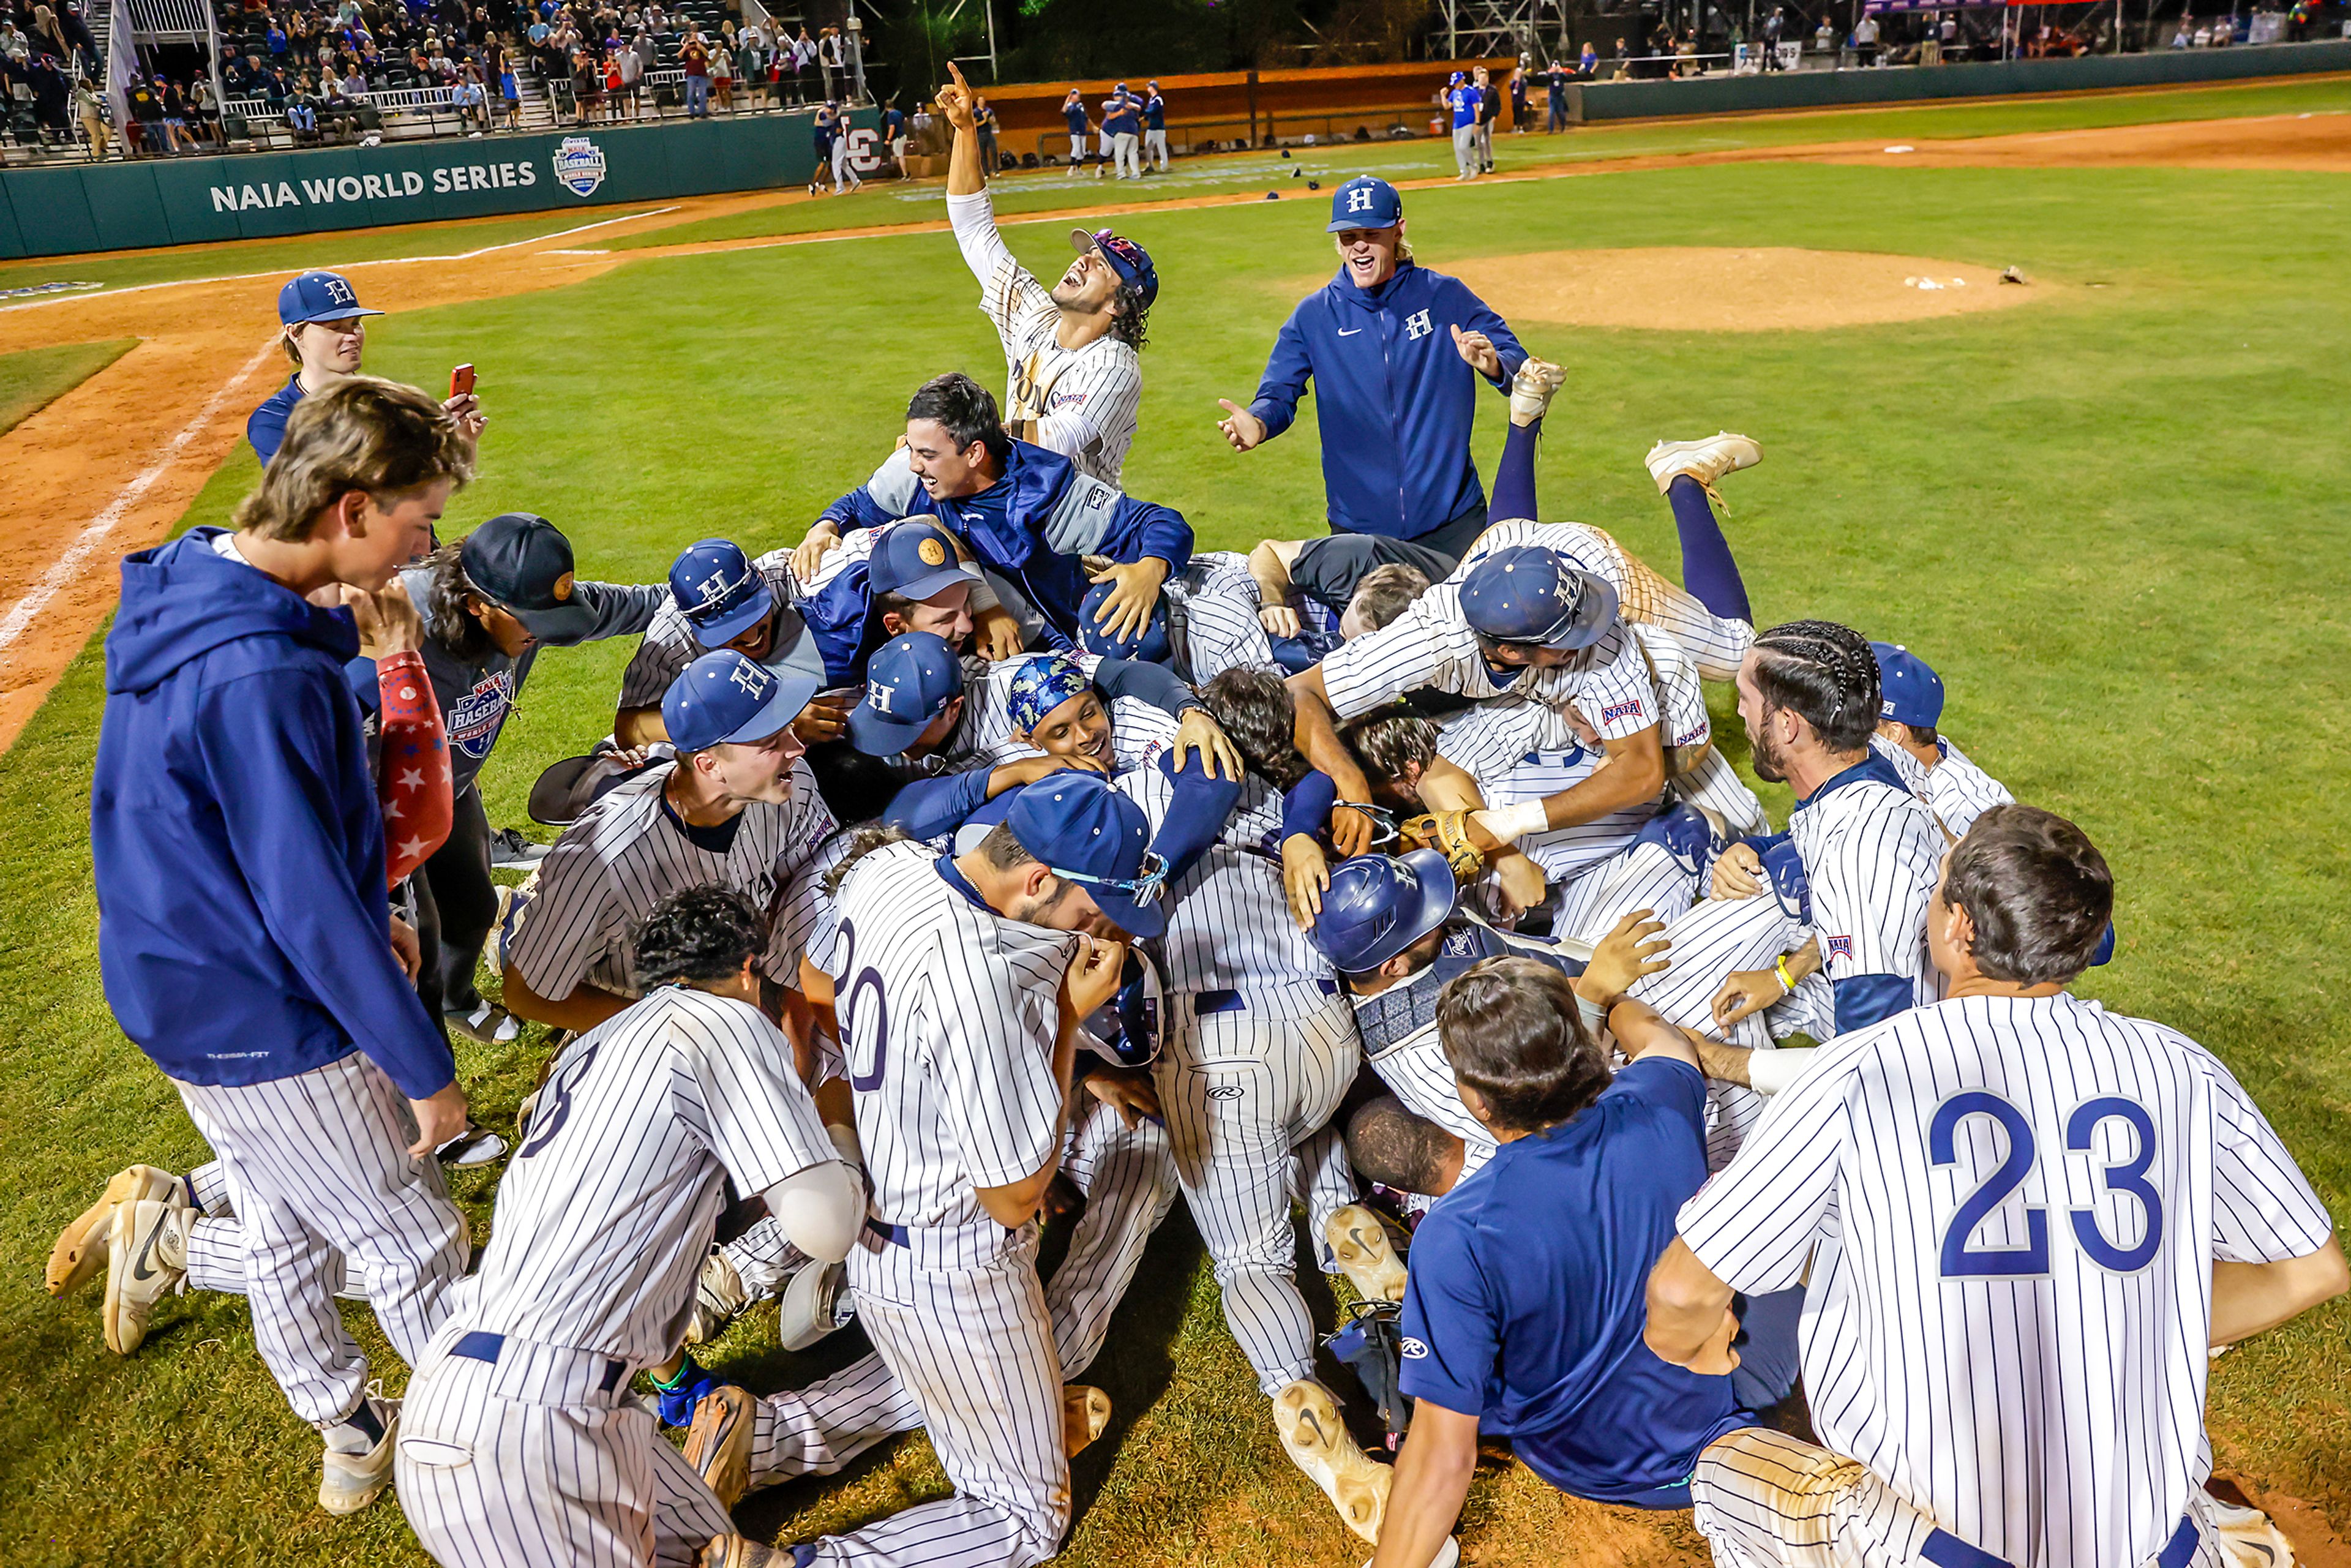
x,y
461,381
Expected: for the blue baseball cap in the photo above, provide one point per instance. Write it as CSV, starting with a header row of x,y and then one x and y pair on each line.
x,y
1043,683
1378,905
319,296
915,559
1527,593
909,682
1128,259
1908,691
1086,831
725,698
1365,201
1150,645
722,594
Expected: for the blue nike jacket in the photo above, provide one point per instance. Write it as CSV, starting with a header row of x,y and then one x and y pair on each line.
x,y
238,843
1394,400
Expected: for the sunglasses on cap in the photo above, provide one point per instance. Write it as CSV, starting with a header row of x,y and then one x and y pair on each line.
x,y
1144,889
1384,821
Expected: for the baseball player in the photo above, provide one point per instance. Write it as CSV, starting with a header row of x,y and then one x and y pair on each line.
x,y
960,985
1073,375
1808,695
1154,131
737,806
913,576
1396,353
1523,1316
1122,121
1205,622
2021,1216
1461,101
322,328
1943,777
237,837
1073,116
1525,626
1027,515
722,599
521,1442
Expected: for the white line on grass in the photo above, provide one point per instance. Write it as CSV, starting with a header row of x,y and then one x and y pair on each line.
x,y
67,566
340,265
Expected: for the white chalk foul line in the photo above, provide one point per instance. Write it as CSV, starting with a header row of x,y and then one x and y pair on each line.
x,y
92,539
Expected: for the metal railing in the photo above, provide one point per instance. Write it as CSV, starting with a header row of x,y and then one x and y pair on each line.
x,y
169,18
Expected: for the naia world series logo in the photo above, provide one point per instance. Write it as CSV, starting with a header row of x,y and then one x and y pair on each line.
x,y
579,165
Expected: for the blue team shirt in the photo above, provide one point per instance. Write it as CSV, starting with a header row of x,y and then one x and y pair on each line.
x,y
1464,99
267,426
1527,1296
1155,113
1075,115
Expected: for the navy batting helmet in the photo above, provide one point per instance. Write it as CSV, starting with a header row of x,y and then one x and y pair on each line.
x,y
1378,905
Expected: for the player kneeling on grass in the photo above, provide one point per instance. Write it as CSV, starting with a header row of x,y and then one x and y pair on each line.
x,y
1977,1345
522,1443
243,937
1523,1314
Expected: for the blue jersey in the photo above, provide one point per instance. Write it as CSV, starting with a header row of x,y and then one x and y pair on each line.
x,y
1075,115
1527,1295
266,427
1155,113
1463,101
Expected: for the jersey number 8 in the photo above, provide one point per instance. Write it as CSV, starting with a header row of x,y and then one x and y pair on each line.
x,y
1961,1262
852,1009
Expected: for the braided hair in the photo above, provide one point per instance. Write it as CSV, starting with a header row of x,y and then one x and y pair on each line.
x,y
1823,674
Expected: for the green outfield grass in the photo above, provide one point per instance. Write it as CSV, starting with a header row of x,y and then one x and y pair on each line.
x,y
31,378
1425,157
2113,519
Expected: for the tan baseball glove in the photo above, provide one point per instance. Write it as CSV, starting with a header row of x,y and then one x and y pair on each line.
x,y
1448,833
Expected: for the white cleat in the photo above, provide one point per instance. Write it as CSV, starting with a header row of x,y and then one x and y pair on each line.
x,y
1318,1443
80,1250
355,1474
1085,1416
147,1260
2248,1537
1531,390
719,1297
1360,1244
1705,460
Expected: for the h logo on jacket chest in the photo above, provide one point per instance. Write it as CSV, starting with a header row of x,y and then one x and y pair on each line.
x,y
1416,327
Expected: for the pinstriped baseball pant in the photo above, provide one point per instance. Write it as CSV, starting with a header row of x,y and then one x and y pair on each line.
x,y
316,1166
1129,1180
1248,1096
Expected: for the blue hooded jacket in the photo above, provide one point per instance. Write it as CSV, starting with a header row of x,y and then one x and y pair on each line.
x,y
237,842
1393,397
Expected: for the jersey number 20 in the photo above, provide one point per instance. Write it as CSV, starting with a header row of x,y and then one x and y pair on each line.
x,y
2130,1177
863,998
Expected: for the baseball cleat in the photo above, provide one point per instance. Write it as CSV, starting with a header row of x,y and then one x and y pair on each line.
x,y
1360,1245
1531,390
511,850
1318,1443
488,1024
718,1296
1085,1414
349,1481
147,1260
718,1443
813,1305
81,1248
2248,1537
741,1552
1705,461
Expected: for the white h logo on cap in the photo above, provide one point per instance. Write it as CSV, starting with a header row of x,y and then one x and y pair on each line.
x,y
714,590
338,291
879,695
751,678
1359,200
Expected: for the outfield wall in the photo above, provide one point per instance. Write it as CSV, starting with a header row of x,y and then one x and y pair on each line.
x,y
186,200
1588,101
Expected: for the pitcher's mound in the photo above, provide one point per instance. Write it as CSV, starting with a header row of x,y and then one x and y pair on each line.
x,y
1707,290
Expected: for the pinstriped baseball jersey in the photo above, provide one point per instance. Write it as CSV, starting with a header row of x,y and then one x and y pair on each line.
x,y
1492,739
1590,549
984,734
669,644
606,1213
1873,857
1212,623
629,850
1431,646
948,1014
1139,733
1955,789
1084,400
2010,1208
1229,923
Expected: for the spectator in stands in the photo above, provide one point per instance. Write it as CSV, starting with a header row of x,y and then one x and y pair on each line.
x,y
630,66
1864,40
92,110
176,134
694,55
722,75
204,111
302,114
587,86
353,88
144,134
829,60
52,99
510,95
471,104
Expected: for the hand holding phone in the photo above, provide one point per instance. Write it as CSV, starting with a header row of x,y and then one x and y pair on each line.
x,y
461,382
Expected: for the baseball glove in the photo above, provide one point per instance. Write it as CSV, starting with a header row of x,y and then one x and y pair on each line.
x,y
1448,832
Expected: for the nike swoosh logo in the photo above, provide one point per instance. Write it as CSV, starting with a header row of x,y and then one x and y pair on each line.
x,y
1349,331
139,1270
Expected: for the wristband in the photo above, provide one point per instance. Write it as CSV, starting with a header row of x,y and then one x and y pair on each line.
x,y
1787,980
1511,823
1595,1017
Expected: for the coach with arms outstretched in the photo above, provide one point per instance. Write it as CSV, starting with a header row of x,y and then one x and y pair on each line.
x,y
1394,352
